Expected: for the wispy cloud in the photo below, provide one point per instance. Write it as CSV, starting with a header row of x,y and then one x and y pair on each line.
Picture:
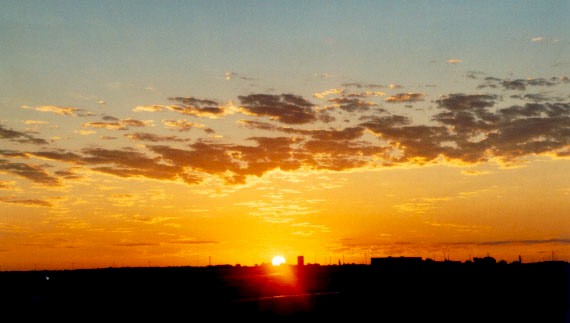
x,y
66,111
191,241
405,97
25,202
35,173
20,137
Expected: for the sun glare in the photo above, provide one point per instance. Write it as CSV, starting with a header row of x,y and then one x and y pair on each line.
x,y
278,260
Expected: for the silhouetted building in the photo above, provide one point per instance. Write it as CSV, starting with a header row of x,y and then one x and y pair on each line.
x,y
388,262
300,261
485,261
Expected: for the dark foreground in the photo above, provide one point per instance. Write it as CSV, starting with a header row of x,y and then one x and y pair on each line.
x,y
429,292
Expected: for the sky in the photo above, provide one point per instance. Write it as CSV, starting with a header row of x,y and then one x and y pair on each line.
x,y
175,133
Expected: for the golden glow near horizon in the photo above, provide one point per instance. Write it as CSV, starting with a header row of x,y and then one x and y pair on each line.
x,y
185,143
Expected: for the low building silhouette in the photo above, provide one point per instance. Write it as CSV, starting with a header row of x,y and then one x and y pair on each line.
x,y
400,262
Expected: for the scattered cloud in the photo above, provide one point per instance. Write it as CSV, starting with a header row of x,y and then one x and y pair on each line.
x,y
184,125
199,107
117,125
25,202
323,94
285,108
33,173
7,185
85,132
144,136
297,134
405,97
193,241
364,85
231,75
454,61
35,122
66,111
472,172
537,39
520,84
352,104
20,137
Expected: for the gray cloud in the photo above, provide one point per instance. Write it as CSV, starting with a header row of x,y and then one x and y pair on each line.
x,y
143,136
20,137
520,84
32,172
352,104
198,107
285,108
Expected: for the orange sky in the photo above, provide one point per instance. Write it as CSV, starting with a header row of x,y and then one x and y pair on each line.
x,y
281,132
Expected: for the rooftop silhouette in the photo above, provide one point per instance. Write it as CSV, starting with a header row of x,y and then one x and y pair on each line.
x,y
395,288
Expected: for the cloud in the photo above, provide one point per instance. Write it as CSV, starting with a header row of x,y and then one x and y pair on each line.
x,y
67,174
184,125
537,39
233,162
85,132
292,133
105,125
199,107
460,101
516,242
20,137
193,241
150,108
405,97
34,122
231,75
32,172
66,111
519,84
352,104
454,61
12,153
123,163
471,172
363,85
285,108
143,136
25,202
117,125
365,94
322,95
135,244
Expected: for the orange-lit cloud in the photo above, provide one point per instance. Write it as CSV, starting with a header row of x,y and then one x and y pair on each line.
x,y
405,97
67,111
465,128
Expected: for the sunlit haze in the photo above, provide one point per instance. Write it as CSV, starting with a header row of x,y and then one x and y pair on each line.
x,y
196,133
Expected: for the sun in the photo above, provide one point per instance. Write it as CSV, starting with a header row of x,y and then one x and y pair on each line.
x,y
278,260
